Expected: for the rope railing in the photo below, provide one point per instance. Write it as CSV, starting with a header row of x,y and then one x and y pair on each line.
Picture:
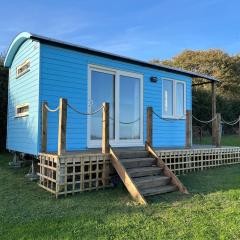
x,y
205,122
121,122
164,119
52,110
232,123
83,113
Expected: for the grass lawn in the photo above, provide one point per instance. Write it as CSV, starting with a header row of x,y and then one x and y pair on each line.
x,y
211,211
227,140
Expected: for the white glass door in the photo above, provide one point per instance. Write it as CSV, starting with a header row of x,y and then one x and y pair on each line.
x,y
123,91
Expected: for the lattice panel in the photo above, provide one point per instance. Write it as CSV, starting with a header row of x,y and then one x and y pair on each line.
x,y
71,174
187,160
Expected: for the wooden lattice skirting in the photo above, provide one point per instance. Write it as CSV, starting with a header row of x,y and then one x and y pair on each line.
x,y
187,160
69,174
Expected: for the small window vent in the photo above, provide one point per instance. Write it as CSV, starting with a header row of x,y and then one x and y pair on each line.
x,y
23,68
22,110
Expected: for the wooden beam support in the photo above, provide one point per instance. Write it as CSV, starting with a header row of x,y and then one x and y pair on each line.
x,y
214,111
188,129
199,84
149,125
218,130
62,126
44,127
105,128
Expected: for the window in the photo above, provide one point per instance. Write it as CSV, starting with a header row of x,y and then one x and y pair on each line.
x,y
23,68
174,98
22,110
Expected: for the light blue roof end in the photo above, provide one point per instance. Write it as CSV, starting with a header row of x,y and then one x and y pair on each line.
x,y
17,42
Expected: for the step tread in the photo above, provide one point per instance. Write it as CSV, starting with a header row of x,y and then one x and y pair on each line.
x,y
158,190
123,160
144,169
150,179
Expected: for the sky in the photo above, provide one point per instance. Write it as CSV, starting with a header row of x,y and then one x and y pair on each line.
x,y
142,29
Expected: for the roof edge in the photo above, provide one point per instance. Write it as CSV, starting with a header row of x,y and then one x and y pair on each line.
x,y
23,36
13,48
84,49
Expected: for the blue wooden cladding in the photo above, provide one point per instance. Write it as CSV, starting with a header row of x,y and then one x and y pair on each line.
x,y
57,72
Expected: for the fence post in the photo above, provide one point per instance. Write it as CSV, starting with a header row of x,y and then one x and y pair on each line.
x,y
149,125
239,125
62,126
188,129
105,128
218,130
44,127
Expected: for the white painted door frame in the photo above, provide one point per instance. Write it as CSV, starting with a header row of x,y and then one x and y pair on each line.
x,y
117,142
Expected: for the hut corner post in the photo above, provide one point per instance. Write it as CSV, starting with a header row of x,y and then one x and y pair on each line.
x,y
62,126
44,127
105,128
214,111
149,125
188,129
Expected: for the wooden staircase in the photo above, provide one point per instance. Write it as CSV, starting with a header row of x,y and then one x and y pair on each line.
x,y
143,173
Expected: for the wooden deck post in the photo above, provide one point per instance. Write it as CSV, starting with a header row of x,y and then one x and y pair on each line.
x,y
62,126
105,128
214,125
188,129
149,126
44,127
218,130
239,126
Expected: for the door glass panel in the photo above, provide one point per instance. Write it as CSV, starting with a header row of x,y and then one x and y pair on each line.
x,y
167,98
129,108
179,99
102,90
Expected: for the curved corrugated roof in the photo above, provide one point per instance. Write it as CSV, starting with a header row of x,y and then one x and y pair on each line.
x,y
20,38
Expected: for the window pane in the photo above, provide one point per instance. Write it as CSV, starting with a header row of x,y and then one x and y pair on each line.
x,y
129,108
167,98
102,90
179,99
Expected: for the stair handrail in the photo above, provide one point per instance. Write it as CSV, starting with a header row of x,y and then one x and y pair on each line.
x,y
127,180
166,170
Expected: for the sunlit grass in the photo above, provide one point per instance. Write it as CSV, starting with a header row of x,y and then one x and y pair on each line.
x,y
211,211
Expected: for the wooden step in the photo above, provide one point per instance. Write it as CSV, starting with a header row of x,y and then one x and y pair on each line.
x,y
158,190
132,154
151,181
144,171
138,162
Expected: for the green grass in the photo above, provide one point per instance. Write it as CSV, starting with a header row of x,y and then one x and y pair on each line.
x,y
227,140
211,211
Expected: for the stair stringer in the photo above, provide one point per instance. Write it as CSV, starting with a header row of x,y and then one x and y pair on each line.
x,y
126,179
166,170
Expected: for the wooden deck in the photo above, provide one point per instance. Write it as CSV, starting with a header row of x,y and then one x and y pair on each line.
x,y
90,169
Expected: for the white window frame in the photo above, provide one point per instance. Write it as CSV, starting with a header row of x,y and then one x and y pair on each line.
x,y
20,66
24,114
117,142
174,100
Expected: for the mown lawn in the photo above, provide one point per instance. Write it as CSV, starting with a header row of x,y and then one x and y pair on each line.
x,y
227,140
211,211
